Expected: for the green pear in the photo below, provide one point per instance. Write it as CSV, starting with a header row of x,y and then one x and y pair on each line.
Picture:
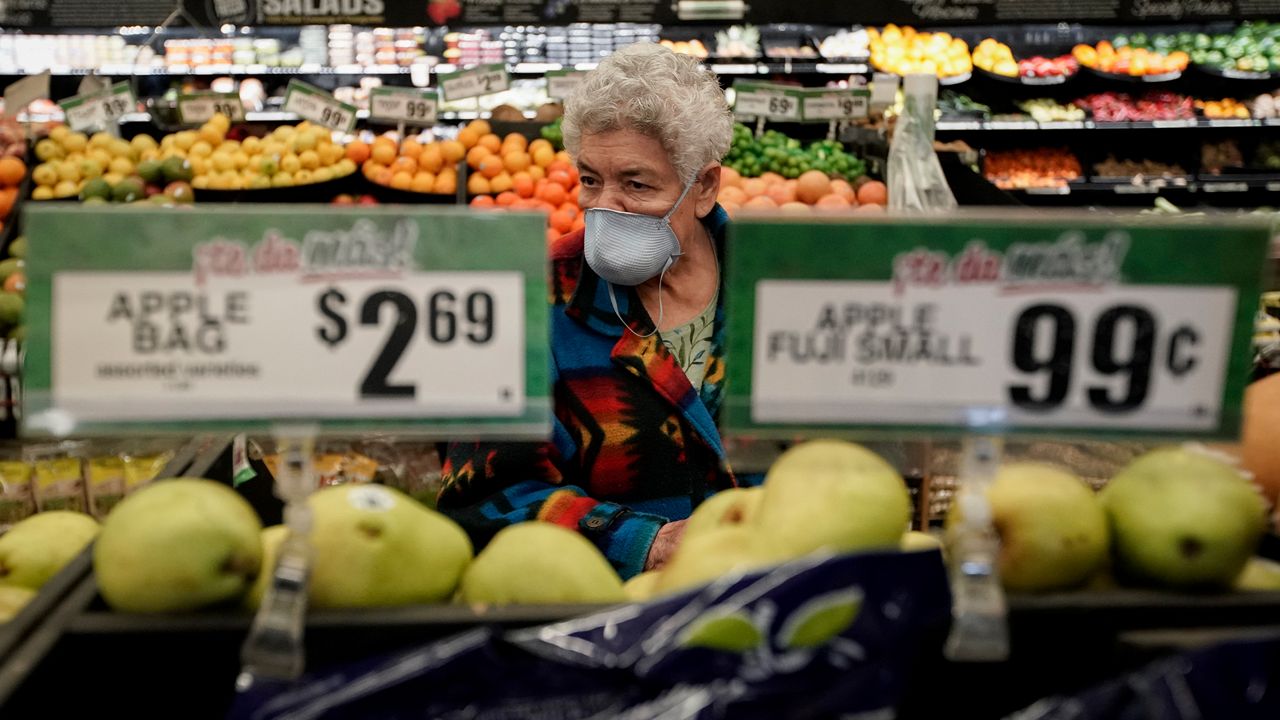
x,y
177,545
1053,531
35,549
12,600
703,558
1182,518
540,562
376,546
272,537
915,540
835,495
734,506
641,587
1259,574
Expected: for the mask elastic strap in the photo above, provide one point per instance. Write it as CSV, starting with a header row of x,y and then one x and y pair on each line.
x,y
627,325
688,186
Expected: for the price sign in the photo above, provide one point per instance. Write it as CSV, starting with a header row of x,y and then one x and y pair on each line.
x,y
432,321
483,80
884,88
21,93
403,105
311,103
198,108
562,83
99,110
1069,325
768,101
826,105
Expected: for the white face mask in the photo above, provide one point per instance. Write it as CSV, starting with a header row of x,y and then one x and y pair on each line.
x,y
627,248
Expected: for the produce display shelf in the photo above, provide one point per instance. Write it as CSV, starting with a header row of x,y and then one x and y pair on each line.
x,y
966,125
1216,186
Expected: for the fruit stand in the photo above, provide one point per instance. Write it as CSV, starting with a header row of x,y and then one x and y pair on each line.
x,y
1001,382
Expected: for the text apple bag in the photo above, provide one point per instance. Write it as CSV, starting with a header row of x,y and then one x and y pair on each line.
x,y
815,637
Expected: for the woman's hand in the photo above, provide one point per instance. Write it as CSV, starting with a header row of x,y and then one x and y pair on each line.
x,y
664,545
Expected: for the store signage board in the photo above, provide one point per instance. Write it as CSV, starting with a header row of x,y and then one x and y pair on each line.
x,y
1064,324
430,321
410,106
822,105
772,102
477,81
199,108
312,103
99,110
562,83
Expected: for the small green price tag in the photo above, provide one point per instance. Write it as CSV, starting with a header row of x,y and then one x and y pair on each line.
x,y
311,103
773,102
99,110
483,80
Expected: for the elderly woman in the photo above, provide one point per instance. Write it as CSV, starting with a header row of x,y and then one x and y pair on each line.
x,y
636,325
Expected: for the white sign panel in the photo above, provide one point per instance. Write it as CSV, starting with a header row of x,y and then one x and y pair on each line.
x,y
312,103
403,105
162,345
100,110
484,80
200,108
874,352
835,106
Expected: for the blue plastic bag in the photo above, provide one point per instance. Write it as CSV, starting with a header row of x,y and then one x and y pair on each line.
x,y
812,638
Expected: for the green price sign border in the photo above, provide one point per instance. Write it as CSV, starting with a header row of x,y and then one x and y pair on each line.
x,y
148,240
413,93
1182,251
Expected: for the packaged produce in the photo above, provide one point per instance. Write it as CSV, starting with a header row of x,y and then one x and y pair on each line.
x,y
853,43
58,482
1266,105
1215,156
1047,110
1227,108
1137,169
104,484
17,500
1120,107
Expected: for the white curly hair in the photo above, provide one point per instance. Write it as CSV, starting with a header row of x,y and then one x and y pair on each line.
x,y
647,88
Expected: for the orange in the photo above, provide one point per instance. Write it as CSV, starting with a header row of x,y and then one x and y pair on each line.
x,y
446,183
732,194
490,166
761,202
384,151
811,186
410,148
552,235
401,180
831,203
542,156
383,177
12,170
553,193
873,192
468,137
357,151
729,177
480,126
780,193
8,196
505,199
731,208
536,172
452,151
500,183
423,182
522,184
475,155
558,164
869,208
770,177
432,158
561,178
844,190
579,223
405,165
515,161
371,168
491,141
478,184
482,202
516,138
754,187
541,143
562,220
795,208
564,155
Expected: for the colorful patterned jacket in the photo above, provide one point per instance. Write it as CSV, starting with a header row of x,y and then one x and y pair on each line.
x,y
633,445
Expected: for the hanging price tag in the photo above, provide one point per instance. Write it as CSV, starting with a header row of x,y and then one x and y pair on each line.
x,y
562,83
403,105
1071,324
198,108
483,80
826,105
311,103
768,101
424,318
100,110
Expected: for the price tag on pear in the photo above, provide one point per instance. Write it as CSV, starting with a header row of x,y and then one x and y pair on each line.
x,y
1070,325
483,80
311,103
199,108
403,105
100,110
